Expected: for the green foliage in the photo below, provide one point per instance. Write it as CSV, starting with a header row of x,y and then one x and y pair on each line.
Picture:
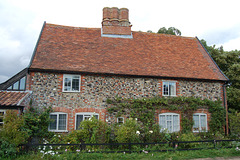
x,y
92,131
234,123
170,30
36,122
128,132
13,130
229,63
144,109
7,149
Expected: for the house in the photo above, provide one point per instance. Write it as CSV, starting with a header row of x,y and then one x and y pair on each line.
x,y
76,69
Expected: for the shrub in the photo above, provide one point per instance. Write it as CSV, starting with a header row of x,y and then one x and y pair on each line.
x,y
13,130
36,122
128,132
92,131
7,149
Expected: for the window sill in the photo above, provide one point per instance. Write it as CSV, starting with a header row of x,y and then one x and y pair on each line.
x,y
58,131
71,91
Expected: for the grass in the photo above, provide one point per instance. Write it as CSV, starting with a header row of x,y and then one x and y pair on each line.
x,y
178,155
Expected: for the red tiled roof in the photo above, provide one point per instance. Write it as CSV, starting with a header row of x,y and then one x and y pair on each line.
x,y
8,98
146,54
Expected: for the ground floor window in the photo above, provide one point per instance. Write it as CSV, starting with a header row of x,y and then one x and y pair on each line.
x,y
120,120
84,116
58,122
169,122
200,122
2,113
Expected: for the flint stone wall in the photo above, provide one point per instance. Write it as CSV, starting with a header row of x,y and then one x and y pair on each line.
x,y
47,90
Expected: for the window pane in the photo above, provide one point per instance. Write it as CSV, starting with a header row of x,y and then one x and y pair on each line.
x,y
9,88
165,88
175,123
15,86
75,84
169,126
120,120
62,122
22,83
162,121
79,120
1,116
196,123
67,84
53,123
96,116
87,117
203,123
172,90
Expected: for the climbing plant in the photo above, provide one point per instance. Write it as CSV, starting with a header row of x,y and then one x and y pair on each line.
x,y
145,110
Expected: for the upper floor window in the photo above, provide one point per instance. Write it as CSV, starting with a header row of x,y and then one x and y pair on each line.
x,y
84,116
2,113
200,122
169,88
58,122
71,83
169,122
20,85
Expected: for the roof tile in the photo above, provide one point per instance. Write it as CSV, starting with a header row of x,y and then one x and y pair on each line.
x,y
146,54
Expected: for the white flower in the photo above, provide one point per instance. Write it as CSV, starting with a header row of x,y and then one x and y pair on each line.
x,y
78,150
59,135
151,131
137,132
65,150
136,119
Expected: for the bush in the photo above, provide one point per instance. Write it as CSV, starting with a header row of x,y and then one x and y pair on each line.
x,y
128,132
36,122
13,130
7,149
92,131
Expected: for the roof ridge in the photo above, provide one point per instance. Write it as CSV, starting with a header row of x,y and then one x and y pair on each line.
x,y
65,26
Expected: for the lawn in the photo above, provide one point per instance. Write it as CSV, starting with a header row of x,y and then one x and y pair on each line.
x,y
177,155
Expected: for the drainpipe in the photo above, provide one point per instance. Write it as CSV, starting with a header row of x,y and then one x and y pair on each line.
x,y
225,106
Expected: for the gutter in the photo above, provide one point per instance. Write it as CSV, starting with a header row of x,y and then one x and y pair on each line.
x,y
225,106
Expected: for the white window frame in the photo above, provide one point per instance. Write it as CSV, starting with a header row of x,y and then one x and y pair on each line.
x,y
71,77
57,130
171,114
199,120
120,122
4,113
175,88
85,114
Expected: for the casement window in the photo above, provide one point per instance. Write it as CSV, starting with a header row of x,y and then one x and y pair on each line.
x,y
84,116
169,88
71,83
120,120
58,122
200,122
20,85
2,113
169,122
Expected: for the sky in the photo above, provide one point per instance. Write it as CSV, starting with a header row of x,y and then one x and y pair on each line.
x,y
216,21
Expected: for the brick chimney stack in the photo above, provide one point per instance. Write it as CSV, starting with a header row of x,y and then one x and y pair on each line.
x,y
115,21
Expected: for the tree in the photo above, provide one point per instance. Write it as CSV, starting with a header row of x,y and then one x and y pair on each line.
x,y
170,30
229,63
